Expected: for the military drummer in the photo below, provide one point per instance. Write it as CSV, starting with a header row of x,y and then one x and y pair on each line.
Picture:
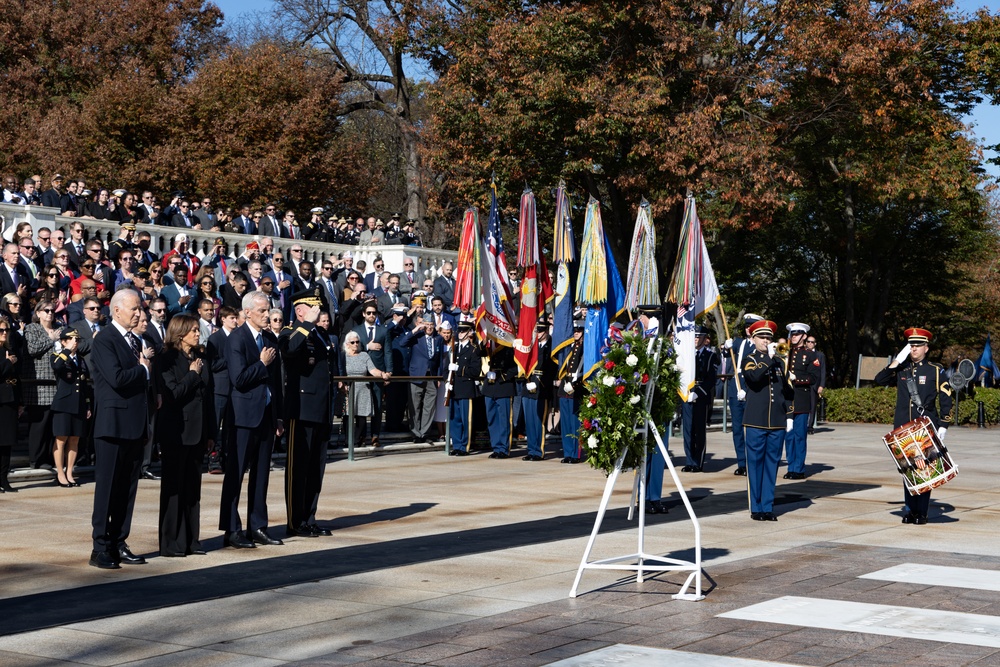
x,y
920,388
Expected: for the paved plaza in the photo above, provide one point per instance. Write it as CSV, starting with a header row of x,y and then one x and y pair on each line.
x,y
469,561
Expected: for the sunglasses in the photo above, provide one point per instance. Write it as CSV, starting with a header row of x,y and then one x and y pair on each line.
x,y
4,329
88,308
47,310
353,342
15,303
209,283
267,282
371,312
87,266
158,310
354,278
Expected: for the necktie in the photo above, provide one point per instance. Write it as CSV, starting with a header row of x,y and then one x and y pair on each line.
x,y
260,343
430,347
394,299
79,249
267,390
371,333
133,342
93,327
15,278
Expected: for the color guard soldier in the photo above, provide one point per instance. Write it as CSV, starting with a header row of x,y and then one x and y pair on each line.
x,y
767,414
695,412
570,390
310,364
920,388
536,393
465,370
498,393
802,376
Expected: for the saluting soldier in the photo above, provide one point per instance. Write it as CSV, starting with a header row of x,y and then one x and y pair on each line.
x,y
315,224
465,370
409,236
768,412
123,242
536,392
310,361
920,389
570,390
803,374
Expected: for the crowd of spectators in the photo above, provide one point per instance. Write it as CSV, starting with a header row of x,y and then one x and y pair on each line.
x,y
76,200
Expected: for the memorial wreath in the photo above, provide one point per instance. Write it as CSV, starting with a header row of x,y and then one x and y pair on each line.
x,y
616,404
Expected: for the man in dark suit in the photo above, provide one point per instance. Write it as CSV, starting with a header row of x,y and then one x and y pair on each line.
x,y
376,341
76,246
444,285
426,359
440,314
243,222
373,280
255,374
282,284
156,331
121,376
215,355
89,326
53,197
390,298
13,275
183,217
269,224
310,360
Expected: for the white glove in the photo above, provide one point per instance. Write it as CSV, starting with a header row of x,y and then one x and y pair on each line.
x,y
941,433
568,388
453,367
903,354
728,344
791,376
576,376
789,423
531,386
741,395
771,349
448,386
692,397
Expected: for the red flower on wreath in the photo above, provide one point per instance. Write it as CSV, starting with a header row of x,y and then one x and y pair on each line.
x,y
645,378
609,365
593,400
620,389
586,424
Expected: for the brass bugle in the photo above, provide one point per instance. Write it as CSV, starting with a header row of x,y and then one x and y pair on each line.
x,y
782,349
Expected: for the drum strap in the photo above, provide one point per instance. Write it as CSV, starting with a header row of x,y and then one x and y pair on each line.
x,y
911,386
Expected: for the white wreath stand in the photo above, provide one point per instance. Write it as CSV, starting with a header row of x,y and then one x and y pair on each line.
x,y
641,562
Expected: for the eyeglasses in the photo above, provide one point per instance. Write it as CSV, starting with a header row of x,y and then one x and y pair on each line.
x,y
328,268
44,238
407,263
157,310
95,250
47,310
275,319
89,308
810,342
157,271
27,246
124,259
257,217
371,312
173,264
354,342
53,275
354,278
266,282
208,282
269,209
15,303
4,330
296,249
87,266
183,206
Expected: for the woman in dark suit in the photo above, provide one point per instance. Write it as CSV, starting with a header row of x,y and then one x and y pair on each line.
x,y
71,405
185,429
9,400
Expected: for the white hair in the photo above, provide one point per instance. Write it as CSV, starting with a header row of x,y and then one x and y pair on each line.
x,y
250,298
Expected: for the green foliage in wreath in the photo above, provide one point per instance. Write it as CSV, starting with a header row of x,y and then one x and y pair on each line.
x,y
616,404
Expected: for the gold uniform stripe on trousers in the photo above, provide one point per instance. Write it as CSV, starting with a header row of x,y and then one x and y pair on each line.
x,y
545,415
468,429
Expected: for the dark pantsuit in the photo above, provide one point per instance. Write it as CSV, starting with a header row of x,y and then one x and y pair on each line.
x,y
249,449
222,435
4,464
39,435
307,443
180,499
116,479
378,404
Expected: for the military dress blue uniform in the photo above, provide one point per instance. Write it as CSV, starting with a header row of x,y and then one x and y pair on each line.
x,y
932,390
695,415
468,361
571,378
535,402
310,359
498,392
740,349
764,422
804,367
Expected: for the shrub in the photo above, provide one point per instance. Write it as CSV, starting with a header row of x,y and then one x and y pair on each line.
x,y
877,405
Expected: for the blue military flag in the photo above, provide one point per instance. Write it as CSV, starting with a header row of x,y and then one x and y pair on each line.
x,y
988,373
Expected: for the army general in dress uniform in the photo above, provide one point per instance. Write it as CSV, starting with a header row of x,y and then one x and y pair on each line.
x,y
465,370
310,360
920,388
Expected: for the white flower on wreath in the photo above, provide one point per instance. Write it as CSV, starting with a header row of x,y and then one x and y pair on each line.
x,y
608,381
634,399
676,368
592,442
631,360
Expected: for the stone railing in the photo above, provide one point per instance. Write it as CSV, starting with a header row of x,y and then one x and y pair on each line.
x,y
427,261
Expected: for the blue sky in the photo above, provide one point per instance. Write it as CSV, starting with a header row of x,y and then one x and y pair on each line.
x,y
985,119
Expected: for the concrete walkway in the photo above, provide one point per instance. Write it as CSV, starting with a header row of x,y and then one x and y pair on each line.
x,y
468,561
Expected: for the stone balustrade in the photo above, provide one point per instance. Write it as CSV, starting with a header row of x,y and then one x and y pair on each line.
x,y
427,261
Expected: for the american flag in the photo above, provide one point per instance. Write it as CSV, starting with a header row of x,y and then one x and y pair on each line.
x,y
494,244
495,317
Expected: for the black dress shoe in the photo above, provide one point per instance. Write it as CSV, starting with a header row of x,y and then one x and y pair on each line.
x,y
260,536
687,468
67,485
237,540
103,560
660,507
7,488
812,431
126,556
742,472
419,439
757,516
302,531
919,519
320,530
458,452
694,468
909,517
499,455
531,457
769,516
146,474
787,475
171,554
197,552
